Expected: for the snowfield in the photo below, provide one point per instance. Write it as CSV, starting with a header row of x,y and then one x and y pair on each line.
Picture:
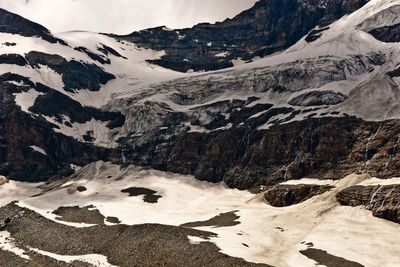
x,y
272,235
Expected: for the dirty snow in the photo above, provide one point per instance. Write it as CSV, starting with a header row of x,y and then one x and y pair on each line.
x,y
7,244
342,231
93,259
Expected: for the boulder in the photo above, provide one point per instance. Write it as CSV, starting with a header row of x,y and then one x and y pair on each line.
x,y
3,180
283,195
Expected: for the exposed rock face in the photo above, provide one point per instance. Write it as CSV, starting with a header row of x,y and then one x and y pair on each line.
x,y
328,148
315,34
382,201
385,25
75,75
268,27
318,98
55,104
286,195
13,23
390,34
19,131
13,59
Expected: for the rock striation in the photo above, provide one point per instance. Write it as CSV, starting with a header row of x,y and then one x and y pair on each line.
x,y
382,200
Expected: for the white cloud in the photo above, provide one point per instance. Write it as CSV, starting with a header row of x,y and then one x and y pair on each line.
x,y
123,16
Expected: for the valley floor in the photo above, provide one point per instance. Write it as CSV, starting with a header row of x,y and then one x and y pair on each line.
x,y
106,215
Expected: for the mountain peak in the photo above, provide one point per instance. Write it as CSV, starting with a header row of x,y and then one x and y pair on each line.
x,y
16,24
269,26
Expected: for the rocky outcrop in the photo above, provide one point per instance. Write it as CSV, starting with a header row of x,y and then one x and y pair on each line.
x,y
315,34
75,75
390,34
19,131
382,201
55,104
268,27
13,59
3,180
283,195
96,57
318,98
325,148
384,25
15,24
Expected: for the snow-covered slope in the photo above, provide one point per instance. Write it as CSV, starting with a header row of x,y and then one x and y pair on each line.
x,y
336,71
260,233
327,107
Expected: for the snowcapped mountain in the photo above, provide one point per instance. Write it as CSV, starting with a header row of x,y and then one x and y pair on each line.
x,y
285,90
108,93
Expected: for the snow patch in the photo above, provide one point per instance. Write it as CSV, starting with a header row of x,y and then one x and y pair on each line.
x,y
310,181
93,259
377,181
223,54
38,149
194,240
7,244
97,130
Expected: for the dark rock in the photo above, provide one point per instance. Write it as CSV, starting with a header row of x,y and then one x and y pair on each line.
x,y
394,73
286,195
55,104
88,215
318,98
75,75
243,114
113,220
99,58
15,24
9,44
13,59
324,258
108,50
324,148
19,130
389,34
382,201
315,34
222,220
81,189
149,195
268,27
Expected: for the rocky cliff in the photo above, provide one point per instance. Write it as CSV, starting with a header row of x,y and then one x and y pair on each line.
x,y
268,27
382,200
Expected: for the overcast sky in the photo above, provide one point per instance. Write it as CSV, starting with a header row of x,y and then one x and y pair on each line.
x,y
123,16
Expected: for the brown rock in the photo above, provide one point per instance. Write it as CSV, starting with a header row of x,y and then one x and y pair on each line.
x,y
286,195
3,180
383,201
